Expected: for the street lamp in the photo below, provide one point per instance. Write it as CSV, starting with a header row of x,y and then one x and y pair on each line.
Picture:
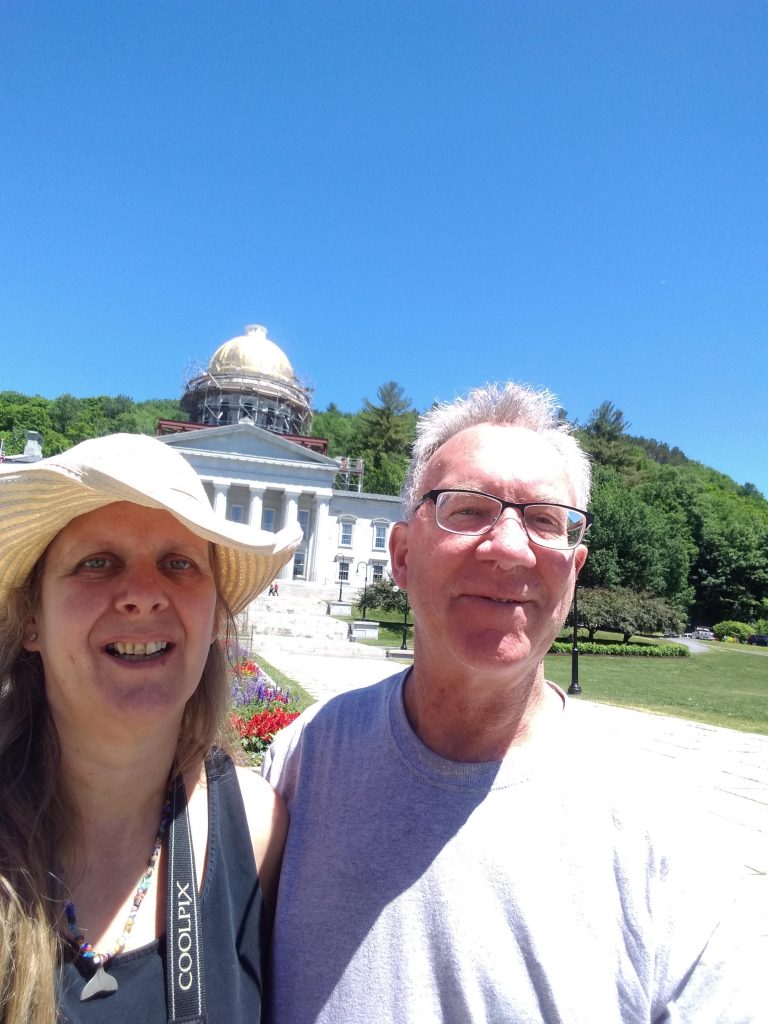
x,y
404,644
342,581
365,585
574,688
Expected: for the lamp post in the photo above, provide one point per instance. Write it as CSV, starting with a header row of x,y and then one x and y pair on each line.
x,y
574,688
341,587
404,644
365,584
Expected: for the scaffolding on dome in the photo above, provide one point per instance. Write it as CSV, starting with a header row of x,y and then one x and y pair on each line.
x,y
267,402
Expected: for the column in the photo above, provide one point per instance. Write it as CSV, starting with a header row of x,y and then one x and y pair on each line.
x,y
220,491
257,502
317,560
290,515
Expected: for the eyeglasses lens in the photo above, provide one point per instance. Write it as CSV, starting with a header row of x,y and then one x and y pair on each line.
x,y
473,514
554,526
466,512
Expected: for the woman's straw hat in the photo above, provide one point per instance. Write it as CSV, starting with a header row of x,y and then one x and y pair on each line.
x,y
38,499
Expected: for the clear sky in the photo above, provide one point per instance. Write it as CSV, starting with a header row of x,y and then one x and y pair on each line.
x,y
572,194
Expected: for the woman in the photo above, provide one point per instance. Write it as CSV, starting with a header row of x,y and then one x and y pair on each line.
x,y
117,805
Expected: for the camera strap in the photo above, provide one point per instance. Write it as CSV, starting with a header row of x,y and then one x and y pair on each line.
x,y
184,970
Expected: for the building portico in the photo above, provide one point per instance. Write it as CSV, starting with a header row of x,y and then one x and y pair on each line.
x,y
254,476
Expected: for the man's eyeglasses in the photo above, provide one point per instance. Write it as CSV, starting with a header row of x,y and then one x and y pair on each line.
x,y
473,513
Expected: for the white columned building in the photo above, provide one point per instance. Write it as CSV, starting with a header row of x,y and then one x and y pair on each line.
x,y
254,476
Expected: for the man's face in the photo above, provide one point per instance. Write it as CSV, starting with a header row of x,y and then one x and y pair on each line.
x,y
492,603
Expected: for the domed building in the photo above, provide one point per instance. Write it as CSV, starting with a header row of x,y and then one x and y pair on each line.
x,y
249,380
248,441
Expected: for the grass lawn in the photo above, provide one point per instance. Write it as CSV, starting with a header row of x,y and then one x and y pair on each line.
x,y
304,699
390,626
726,686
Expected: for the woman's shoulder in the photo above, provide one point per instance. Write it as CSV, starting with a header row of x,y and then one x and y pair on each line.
x,y
267,819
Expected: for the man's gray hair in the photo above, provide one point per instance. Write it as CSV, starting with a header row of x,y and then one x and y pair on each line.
x,y
509,404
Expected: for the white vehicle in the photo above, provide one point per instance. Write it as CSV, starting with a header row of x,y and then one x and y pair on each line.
x,y
703,634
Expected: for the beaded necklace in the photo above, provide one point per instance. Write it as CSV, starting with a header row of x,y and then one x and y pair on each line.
x,y
102,983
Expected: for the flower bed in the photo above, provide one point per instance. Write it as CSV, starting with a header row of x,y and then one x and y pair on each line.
x,y
260,708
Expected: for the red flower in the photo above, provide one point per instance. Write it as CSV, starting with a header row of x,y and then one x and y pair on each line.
x,y
259,731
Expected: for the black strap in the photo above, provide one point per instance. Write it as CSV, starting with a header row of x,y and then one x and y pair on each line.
x,y
184,974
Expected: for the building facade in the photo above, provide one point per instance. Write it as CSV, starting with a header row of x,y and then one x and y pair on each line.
x,y
254,476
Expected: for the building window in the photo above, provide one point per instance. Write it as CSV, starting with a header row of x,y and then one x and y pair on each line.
x,y
380,536
378,572
346,535
344,572
298,565
268,519
304,523
235,513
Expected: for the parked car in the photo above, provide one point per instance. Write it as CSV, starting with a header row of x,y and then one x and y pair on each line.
x,y
703,634
760,639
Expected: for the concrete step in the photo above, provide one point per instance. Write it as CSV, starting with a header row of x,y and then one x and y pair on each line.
x,y
269,645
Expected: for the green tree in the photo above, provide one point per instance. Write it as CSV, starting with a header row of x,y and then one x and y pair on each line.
x,y
634,544
383,473
385,595
341,430
607,422
620,610
388,427
385,437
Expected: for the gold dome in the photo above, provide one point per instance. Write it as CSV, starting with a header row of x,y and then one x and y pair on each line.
x,y
252,354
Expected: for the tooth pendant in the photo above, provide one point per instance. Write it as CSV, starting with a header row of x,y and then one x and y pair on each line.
x,y
101,984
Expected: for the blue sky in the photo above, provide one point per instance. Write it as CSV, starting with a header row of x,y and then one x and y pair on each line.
x,y
439,193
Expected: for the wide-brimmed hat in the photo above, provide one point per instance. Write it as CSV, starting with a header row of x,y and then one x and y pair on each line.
x,y
38,499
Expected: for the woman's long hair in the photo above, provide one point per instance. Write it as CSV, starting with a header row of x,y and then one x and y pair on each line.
x,y
37,820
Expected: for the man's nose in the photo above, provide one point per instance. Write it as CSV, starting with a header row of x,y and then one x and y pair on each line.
x,y
507,541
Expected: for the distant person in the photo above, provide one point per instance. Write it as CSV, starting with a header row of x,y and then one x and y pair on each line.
x,y
460,848
117,587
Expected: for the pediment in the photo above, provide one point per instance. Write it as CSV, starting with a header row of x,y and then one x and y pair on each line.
x,y
245,439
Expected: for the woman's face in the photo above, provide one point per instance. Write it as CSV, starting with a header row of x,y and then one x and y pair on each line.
x,y
127,613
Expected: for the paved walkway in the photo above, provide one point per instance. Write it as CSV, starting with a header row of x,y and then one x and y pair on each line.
x,y
728,770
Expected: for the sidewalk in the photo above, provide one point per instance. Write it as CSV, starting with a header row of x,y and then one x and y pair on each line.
x,y
726,770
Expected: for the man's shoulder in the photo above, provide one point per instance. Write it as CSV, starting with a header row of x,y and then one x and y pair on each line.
x,y
345,718
359,701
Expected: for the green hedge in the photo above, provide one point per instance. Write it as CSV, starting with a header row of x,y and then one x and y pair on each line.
x,y
622,650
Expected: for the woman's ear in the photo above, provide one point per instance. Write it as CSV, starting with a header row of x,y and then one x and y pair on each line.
x,y
30,641
219,630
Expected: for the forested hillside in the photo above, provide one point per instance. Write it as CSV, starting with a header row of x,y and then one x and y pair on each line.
x,y
67,420
673,542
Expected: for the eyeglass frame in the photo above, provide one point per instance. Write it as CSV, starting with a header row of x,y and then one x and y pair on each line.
x,y
520,506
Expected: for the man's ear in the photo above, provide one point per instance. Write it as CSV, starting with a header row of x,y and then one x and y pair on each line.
x,y
580,557
398,554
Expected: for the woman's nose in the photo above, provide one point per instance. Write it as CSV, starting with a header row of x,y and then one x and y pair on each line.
x,y
143,589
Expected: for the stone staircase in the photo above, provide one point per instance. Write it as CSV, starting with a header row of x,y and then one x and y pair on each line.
x,y
301,614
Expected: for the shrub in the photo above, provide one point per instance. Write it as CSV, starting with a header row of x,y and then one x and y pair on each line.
x,y
622,650
739,631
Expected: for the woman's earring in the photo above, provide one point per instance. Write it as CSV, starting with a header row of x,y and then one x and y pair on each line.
x,y
32,637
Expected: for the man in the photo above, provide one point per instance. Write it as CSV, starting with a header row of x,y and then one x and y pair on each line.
x,y
455,853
